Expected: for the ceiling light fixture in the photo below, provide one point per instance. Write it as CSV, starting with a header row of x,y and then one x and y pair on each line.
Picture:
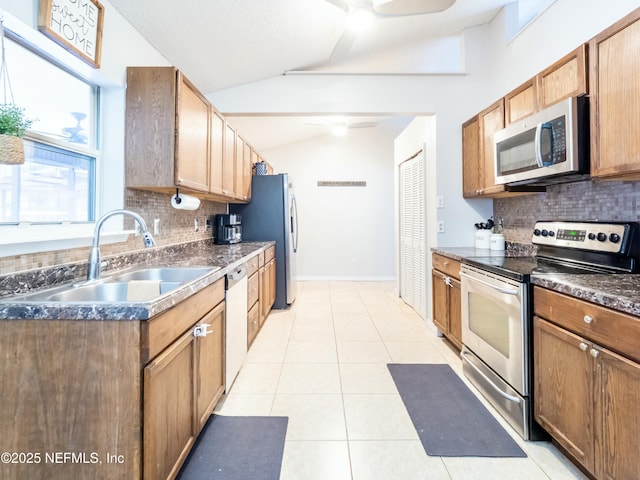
x,y
359,19
339,129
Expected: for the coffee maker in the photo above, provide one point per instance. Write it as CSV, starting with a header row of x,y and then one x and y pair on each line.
x,y
227,229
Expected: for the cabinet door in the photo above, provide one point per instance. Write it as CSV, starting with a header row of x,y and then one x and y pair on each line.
x,y
563,376
238,188
217,152
565,78
455,312
246,184
169,409
440,301
617,431
263,287
472,167
491,120
209,365
271,267
614,93
253,323
228,166
192,145
521,102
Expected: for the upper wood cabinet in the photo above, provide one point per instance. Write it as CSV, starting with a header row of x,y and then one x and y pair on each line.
x,y
472,167
477,152
216,141
167,131
490,121
175,138
229,160
614,69
565,78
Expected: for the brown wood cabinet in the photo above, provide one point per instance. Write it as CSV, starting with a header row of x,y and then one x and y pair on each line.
x,y
166,131
267,286
614,69
133,393
490,121
181,387
447,299
472,167
565,78
587,394
175,138
253,299
216,140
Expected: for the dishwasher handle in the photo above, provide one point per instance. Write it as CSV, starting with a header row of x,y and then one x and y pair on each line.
x,y
236,275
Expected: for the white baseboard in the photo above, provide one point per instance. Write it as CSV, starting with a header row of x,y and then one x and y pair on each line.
x,y
345,279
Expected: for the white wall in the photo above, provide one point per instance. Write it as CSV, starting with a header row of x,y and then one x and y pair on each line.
x,y
342,225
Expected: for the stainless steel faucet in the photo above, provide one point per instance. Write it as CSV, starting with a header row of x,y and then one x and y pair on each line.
x,y
93,269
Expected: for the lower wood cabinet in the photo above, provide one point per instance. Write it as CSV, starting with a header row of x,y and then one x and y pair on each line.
x,y
586,394
267,278
261,293
110,399
181,387
447,298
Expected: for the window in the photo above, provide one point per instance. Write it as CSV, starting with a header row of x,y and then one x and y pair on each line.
x,y
57,182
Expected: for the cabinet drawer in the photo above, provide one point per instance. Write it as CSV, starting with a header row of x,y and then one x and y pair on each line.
x,y
252,265
615,330
269,254
160,331
253,290
446,265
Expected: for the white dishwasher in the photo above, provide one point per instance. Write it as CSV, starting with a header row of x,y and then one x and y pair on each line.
x,y
235,323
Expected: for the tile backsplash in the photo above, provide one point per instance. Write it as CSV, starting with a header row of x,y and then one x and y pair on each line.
x,y
176,226
587,200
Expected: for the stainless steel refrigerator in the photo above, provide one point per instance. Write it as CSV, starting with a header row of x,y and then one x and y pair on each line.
x,y
272,215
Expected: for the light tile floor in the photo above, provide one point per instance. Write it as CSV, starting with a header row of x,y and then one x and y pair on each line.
x,y
322,363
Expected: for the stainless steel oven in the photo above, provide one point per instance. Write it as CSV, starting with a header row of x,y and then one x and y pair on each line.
x,y
497,306
496,341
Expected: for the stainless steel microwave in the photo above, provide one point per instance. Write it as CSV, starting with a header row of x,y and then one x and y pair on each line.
x,y
548,147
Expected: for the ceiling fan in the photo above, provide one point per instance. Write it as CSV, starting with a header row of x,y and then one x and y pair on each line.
x,y
361,11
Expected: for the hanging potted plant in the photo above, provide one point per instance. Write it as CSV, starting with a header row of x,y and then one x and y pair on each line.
x,y
13,125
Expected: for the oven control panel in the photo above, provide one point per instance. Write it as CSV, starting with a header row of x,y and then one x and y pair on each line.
x,y
594,236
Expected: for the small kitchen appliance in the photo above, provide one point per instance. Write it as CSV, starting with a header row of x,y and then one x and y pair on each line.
x,y
227,229
497,304
551,146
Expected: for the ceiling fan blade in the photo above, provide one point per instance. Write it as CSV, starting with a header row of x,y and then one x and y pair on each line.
x,y
343,45
410,7
341,4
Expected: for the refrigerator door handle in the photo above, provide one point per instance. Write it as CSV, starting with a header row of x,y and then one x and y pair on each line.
x,y
294,223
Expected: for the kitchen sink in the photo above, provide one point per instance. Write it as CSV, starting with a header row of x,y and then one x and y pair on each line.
x,y
150,284
164,274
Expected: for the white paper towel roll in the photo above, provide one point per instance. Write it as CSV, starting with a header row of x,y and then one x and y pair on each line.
x,y
184,202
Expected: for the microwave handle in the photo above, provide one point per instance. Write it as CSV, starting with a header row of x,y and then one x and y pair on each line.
x,y
538,142
538,145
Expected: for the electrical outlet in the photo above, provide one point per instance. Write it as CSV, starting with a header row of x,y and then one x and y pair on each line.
x,y
156,226
440,226
440,201
196,225
353,260
207,224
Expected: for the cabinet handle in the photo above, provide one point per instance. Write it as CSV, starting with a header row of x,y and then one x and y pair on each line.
x,y
594,353
588,319
583,346
202,330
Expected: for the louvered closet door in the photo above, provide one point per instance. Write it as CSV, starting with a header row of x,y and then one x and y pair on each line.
x,y
412,234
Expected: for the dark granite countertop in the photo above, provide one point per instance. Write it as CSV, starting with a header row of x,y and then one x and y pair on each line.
x,y
202,253
619,292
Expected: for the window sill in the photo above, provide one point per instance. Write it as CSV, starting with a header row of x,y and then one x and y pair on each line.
x,y
21,240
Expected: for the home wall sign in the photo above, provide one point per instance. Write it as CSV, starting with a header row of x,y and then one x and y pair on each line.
x,y
341,183
74,24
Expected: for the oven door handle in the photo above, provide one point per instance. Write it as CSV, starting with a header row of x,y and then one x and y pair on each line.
x,y
504,395
506,291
